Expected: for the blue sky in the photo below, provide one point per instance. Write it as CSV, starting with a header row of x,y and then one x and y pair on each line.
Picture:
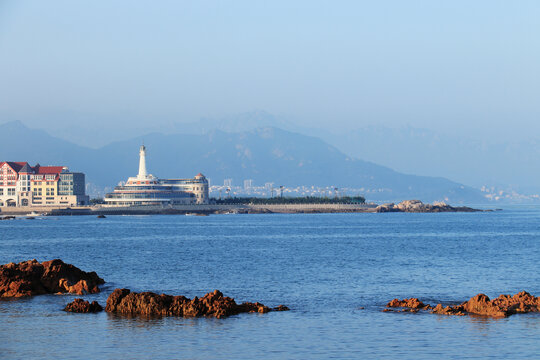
x,y
461,66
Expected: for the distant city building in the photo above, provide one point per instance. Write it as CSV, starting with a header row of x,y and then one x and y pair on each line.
x,y
227,183
248,184
146,189
23,185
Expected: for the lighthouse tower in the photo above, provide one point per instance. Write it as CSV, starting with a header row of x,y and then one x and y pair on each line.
x,y
143,175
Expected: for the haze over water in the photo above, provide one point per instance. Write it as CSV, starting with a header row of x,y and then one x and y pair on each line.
x,y
325,267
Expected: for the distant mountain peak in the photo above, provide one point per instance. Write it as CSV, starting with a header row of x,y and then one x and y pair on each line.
x,y
237,123
13,124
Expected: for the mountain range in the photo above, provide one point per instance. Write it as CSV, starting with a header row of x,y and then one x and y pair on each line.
x,y
264,154
510,164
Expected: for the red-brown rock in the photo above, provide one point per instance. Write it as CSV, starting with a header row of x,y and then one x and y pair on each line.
x,y
82,306
213,304
449,310
503,306
412,303
30,278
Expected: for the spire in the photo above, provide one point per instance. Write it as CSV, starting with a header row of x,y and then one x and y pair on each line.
x,y
142,163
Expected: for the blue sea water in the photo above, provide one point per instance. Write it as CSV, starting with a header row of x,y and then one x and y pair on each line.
x,y
335,271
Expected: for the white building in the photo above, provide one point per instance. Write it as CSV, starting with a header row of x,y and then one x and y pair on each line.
x,y
248,184
146,189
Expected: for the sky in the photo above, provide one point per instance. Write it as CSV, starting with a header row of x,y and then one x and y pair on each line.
x,y
466,67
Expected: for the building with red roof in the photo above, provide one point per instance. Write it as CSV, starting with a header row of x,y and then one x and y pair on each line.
x,y
24,185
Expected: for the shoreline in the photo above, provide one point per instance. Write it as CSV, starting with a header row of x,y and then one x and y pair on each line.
x,y
212,209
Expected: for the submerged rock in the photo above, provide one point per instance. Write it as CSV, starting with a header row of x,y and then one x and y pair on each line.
x,y
503,306
83,306
30,278
213,304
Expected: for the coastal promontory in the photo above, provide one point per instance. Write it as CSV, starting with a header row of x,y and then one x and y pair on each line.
x,y
417,206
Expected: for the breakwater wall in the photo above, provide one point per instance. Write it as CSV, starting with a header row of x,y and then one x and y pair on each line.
x,y
187,209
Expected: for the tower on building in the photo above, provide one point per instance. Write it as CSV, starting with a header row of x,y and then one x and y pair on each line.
x,y
142,164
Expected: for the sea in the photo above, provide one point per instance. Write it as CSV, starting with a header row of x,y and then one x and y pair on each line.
x,y
336,272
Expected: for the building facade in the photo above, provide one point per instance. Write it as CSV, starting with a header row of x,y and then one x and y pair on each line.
x,y
146,189
24,185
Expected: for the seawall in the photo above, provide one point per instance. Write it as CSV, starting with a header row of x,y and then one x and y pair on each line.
x,y
190,209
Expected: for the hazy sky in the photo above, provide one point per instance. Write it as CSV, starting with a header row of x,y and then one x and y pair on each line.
x,y
455,65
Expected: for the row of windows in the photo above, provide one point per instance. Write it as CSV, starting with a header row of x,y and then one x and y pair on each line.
x,y
39,191
41,177
159,195
9,191
129,203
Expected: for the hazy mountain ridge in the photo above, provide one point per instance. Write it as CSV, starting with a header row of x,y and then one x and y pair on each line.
x,y
265,154
511,164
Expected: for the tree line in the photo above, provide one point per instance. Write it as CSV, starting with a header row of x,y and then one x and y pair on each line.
x,y
290,200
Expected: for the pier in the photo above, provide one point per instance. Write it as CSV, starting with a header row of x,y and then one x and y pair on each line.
x,y
189,209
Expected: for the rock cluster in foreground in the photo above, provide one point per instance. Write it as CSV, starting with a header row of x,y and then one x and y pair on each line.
x,y
503,306
417,206
214,304
30,278
82,306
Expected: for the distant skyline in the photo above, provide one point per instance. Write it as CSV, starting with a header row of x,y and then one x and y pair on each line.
x,y
467,68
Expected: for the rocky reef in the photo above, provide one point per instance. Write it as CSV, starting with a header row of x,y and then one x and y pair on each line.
x,y
417,206
83,306
503,306
214,304
410,305
31,277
